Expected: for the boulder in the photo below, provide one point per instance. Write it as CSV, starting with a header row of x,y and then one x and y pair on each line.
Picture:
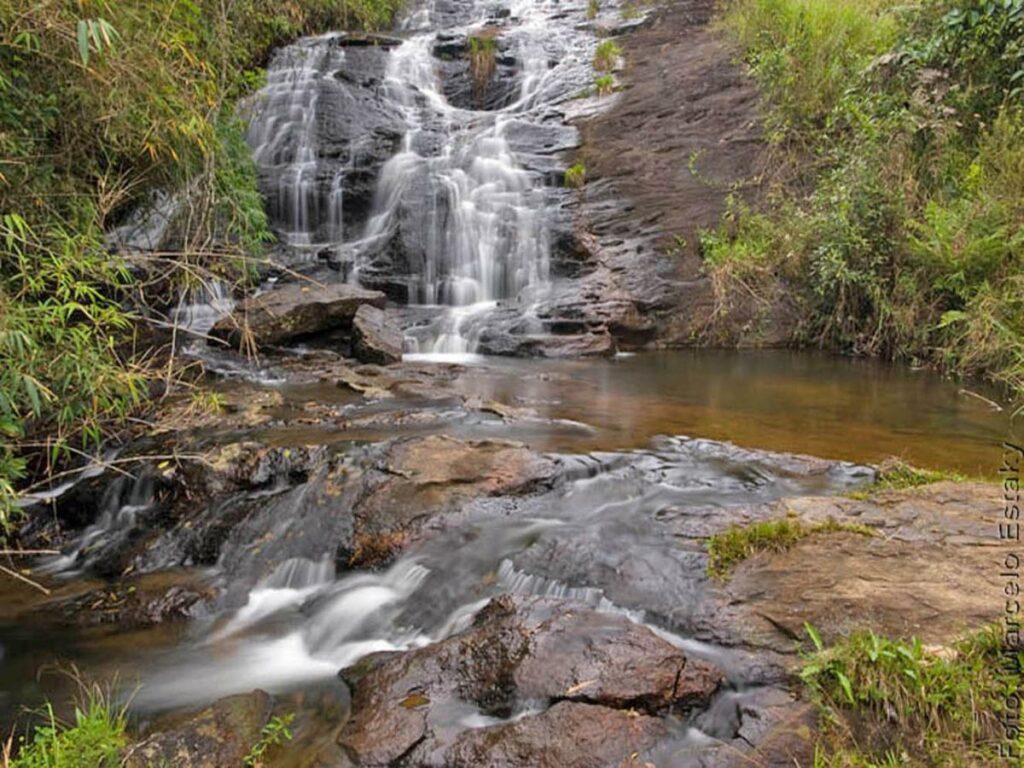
x,y
569,735
294,310
375,338
521,651
218,736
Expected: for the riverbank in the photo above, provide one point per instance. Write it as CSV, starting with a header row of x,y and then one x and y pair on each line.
x,y
819,175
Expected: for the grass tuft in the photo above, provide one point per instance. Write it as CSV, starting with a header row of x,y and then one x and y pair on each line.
x,y
607,56
576,176
739,542
93,739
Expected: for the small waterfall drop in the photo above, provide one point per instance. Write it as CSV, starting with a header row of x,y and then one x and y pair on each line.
x,y
371,157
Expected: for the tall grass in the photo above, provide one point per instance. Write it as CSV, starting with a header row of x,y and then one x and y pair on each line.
x,y
901,232
806,52
892,702
94,738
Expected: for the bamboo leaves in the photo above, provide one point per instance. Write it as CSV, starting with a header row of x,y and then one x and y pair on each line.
x,y
94,35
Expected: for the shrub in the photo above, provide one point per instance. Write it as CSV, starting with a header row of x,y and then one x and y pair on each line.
x,y
101,105
901,232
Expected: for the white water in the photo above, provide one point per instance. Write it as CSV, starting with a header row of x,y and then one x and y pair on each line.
x,y
478,218
301,624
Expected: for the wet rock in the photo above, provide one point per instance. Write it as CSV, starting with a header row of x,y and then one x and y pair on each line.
x,y
218,736
133,603
375,339
293,311
425,477
258,512
353,131
569,735
518,651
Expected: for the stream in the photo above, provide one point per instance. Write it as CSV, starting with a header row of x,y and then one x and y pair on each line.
x,y
384,517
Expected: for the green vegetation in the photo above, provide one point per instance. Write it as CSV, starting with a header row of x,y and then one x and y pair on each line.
x,y
604,85
274,734
483,55
593,9
891,703
607,55
94,740
739,542
895,475
102,104
895,217
576,176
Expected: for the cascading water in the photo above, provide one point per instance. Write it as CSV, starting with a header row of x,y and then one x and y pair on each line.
x,y
429,199
300,624
283,141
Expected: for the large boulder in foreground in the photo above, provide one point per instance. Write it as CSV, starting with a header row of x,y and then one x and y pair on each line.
x,y
293,311
606,678
375,337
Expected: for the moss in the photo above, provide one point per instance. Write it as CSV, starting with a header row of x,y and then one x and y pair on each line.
x,y
739,542
892,702
896,475
576,176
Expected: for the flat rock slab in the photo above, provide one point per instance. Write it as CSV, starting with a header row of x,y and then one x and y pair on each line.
x,y
294,310
929,572
606,677
375,338
218,736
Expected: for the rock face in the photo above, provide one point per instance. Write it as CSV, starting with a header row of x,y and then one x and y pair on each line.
x,y
293,311
920,576
375,339
218,736
597,670
684,131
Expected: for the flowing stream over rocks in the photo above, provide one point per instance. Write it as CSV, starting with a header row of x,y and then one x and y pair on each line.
x,y
399,537
498,562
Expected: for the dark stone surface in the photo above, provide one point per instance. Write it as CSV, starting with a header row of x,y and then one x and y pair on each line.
x,y
375,338
293,311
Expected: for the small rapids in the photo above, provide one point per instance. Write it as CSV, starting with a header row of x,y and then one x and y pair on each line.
x,y
602,537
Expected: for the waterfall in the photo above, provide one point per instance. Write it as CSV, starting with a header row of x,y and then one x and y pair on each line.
x,y
376,158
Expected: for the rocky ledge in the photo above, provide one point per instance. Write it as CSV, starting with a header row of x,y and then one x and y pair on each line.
x,y
293,311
